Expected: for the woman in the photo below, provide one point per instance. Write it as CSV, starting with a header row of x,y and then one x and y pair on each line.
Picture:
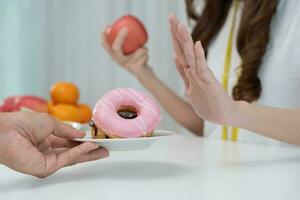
x,y
211,102
251,49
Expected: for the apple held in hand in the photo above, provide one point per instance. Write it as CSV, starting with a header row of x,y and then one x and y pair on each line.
x,y
137,35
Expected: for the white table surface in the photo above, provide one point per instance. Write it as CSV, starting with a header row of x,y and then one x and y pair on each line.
x,y
178,168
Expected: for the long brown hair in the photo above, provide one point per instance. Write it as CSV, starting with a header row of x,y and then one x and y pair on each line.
x,y
252,40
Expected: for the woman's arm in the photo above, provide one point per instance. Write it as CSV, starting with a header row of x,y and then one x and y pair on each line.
x,y
277,123
136,63
179,109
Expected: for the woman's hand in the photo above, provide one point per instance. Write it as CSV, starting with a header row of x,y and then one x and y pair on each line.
x,y
136,63
38,145
203,90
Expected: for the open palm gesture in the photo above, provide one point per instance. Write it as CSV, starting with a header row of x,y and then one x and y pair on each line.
x,y
204,92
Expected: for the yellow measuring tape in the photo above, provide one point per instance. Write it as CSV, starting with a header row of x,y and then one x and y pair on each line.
x,y
227,65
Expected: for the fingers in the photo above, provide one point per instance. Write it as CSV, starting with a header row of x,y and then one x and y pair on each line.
x,y
57,142
180,70
138,53
93,155
136,60
132,61
84,152
104,41
184,47
201,63
141,52
44,125
119,41
65,131
141,60
176,45
200,57
187,45
189,74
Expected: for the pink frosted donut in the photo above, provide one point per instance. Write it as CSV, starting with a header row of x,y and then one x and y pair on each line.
x,y
126,113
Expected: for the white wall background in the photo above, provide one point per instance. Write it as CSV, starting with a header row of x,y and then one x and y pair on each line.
x,y
44,41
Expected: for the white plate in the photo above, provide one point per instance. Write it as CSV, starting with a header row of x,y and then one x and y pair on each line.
x,y
128,144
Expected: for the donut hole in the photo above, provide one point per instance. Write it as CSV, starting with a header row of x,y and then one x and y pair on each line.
x,y
127,112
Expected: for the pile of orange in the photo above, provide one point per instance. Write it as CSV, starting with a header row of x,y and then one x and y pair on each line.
x,y
64,103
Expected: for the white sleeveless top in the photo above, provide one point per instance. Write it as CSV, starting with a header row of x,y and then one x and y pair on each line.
x,y
279,72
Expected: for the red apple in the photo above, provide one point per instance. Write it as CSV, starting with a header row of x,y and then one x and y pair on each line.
x,y
34,103
9,104
137,34
1,106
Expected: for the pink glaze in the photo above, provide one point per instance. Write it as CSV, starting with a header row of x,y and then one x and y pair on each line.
x,y
105,114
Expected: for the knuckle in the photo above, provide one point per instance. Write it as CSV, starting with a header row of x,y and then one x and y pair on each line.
x,y
188,92
124,63
115,47
45,116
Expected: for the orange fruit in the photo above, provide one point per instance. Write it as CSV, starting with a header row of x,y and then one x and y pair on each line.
x,y
66,112
64,92
85,113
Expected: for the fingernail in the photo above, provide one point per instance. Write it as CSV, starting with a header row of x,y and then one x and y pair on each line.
x,y
199,43
104,152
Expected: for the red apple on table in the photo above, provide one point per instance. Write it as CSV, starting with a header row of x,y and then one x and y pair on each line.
x,y
16,103
34,103
137,35
9,104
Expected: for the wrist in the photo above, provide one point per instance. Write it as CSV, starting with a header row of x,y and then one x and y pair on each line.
x,y
239,117
145,74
